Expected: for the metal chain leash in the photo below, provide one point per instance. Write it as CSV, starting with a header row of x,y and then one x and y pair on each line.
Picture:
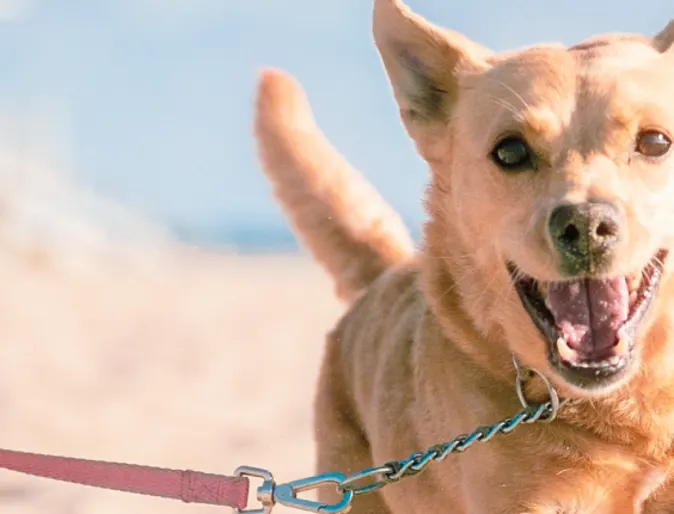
x,y
395,471
391,472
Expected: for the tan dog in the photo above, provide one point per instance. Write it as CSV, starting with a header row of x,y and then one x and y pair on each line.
x,y
551,215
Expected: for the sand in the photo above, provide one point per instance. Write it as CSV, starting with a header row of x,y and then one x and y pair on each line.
x,y
202,362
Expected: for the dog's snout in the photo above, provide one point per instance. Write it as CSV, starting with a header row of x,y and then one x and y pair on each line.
x,y
584,235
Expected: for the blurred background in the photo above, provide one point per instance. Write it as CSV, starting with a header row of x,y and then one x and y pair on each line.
x,y
147,312
148,102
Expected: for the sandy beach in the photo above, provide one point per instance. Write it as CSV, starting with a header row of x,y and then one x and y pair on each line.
x,y
201,361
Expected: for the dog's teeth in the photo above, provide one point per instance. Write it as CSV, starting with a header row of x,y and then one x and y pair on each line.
x,y
565,352
633,282
622,333
622,347
633,297
614,361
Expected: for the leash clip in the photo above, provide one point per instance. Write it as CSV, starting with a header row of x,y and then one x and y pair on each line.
x,y
270,494
286,494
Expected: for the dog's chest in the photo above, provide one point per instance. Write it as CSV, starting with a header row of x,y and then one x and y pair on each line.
x,y
657,492
635,495
641,492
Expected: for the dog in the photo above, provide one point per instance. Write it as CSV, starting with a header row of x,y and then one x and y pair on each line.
x,y
550,224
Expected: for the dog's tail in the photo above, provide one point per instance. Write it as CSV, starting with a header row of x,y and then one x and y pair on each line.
x,y
337,215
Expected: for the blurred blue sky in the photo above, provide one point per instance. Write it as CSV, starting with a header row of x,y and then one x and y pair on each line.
x,y
149,101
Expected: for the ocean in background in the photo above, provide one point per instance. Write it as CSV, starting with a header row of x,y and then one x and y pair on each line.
x,y
260,238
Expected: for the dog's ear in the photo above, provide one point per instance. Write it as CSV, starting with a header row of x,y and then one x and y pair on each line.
x,y
424,64
664,39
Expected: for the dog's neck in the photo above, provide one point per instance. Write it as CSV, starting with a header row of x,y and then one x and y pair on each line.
x,y
640,415
458,294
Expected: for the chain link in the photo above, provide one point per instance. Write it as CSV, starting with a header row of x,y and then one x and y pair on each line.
x,y
394,471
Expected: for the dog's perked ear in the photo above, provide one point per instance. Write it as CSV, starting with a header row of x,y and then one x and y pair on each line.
x,y
424,63
665,38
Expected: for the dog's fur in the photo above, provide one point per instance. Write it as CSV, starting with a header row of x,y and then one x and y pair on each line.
x,y
424,352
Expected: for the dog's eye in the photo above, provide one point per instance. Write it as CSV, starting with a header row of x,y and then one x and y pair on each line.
x,y
653,144
512,154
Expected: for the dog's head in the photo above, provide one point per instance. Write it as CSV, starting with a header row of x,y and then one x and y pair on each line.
x,y
554,178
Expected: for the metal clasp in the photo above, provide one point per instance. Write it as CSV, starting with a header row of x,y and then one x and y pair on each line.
x,y
269,493
286,494
265,493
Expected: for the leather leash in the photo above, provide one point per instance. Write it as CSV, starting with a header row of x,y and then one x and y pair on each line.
x,y
188,486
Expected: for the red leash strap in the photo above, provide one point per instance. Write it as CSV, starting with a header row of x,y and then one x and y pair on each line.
x,y
188,486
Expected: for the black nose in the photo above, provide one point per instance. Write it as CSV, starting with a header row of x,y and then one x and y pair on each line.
x,y
584,235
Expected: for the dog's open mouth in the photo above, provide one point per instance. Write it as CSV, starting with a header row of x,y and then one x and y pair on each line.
x,y
591,324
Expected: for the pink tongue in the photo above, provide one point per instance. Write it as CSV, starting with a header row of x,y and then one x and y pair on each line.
x,y
588,313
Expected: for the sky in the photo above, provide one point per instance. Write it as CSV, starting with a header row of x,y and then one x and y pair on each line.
x,y
149,102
